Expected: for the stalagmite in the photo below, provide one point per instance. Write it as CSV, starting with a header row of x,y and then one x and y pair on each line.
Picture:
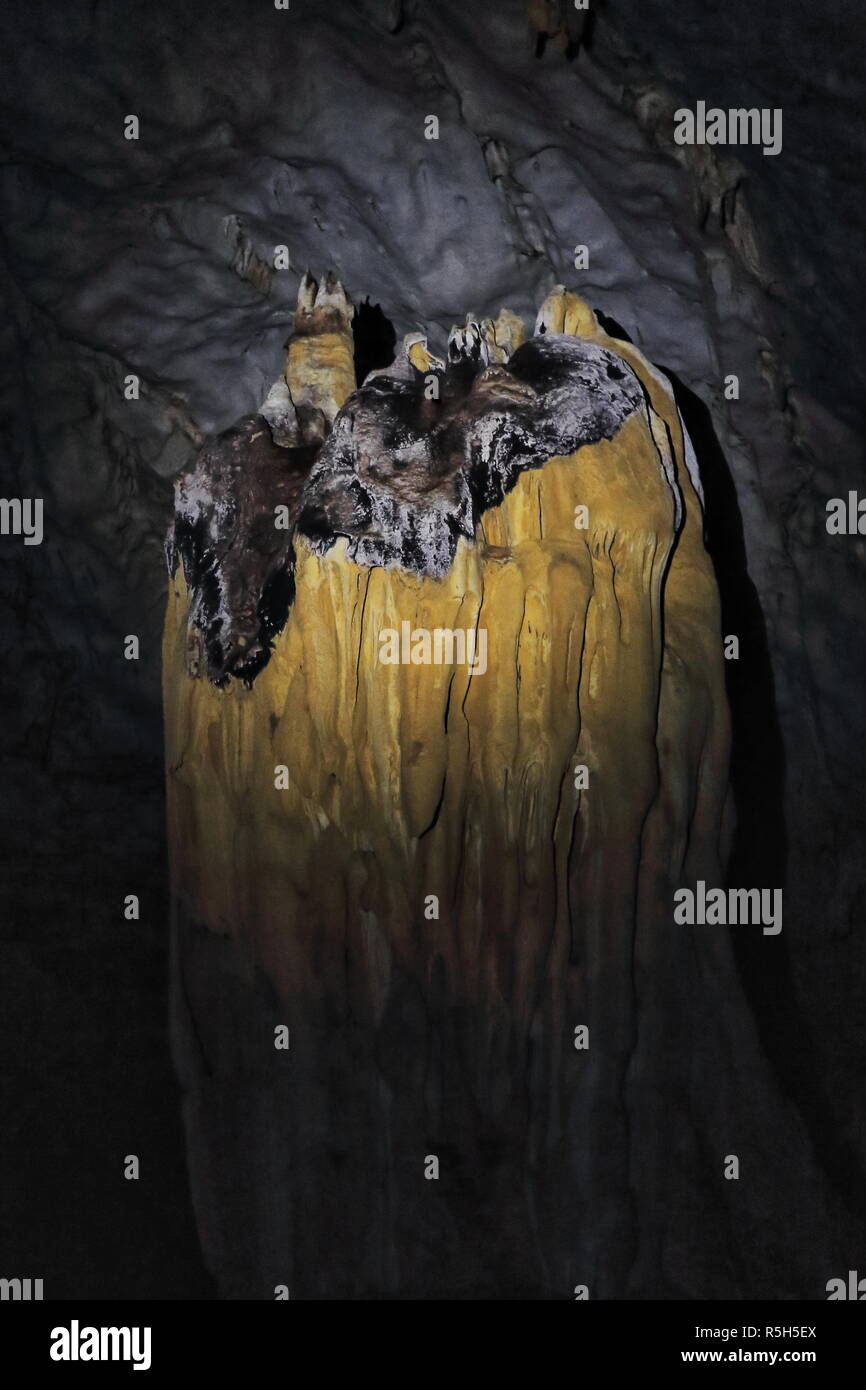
x,y
455,886
320,366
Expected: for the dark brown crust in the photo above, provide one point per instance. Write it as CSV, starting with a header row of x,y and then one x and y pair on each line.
x,y
401,477
237,563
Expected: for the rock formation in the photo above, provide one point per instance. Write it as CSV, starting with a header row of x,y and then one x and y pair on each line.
x,y
150,285
509,1073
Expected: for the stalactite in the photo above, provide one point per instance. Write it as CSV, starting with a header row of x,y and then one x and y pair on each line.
x,y
451,879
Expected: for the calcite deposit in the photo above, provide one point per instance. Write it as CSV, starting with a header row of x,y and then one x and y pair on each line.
x,y
510,1072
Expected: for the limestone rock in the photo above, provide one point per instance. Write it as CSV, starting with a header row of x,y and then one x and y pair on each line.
x,y
279,411
320,364
435,871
